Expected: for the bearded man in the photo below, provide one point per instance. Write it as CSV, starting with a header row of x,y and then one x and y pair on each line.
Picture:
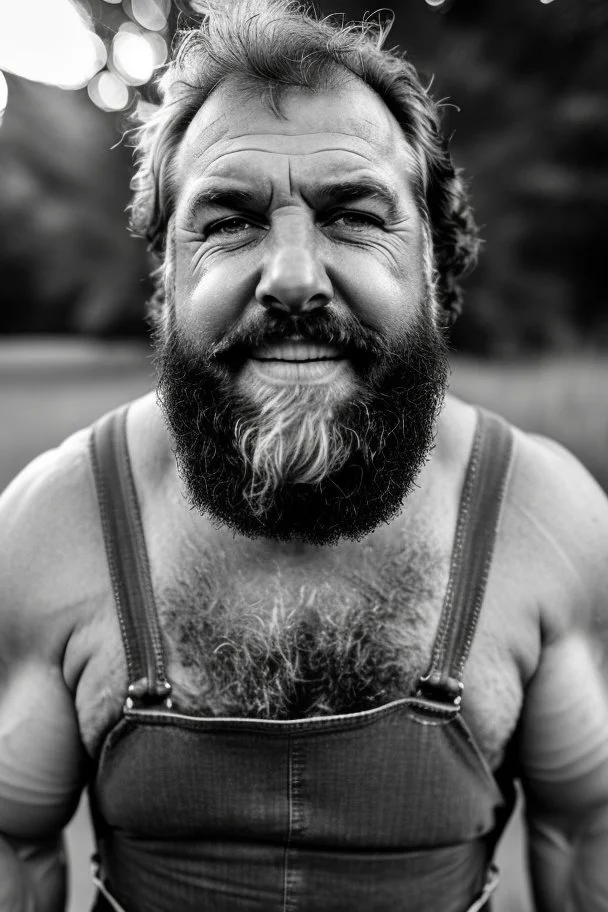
x,y
300,622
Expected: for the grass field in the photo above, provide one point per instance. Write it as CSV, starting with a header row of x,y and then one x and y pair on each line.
x,y
47,391
565,398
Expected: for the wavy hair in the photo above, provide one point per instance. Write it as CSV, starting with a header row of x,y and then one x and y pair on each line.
x,y
272,46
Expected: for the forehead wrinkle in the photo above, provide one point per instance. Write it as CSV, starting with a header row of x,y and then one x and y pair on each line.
x,y
193,149
288,154
217,157
286,141
222,168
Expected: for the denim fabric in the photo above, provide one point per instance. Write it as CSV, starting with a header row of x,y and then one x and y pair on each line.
x,y
390,809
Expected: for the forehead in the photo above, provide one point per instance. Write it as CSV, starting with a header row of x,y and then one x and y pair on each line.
x,y
346,128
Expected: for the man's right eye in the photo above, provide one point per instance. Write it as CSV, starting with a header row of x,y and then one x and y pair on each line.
x,y
229,226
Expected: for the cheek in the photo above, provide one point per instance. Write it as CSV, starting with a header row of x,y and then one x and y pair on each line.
x,y
385,288
211,297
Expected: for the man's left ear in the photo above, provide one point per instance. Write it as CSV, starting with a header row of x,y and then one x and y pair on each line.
x,y
447,317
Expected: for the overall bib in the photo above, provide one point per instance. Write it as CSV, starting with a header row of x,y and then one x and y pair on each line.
x,y
393,809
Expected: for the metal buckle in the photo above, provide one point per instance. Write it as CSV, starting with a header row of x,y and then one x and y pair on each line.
x,y
140,694
442,688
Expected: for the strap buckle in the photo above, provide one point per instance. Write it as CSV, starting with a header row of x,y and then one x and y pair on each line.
x,y
141,694
441,688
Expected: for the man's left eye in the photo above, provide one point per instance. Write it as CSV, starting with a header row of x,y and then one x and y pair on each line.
x,y
356,221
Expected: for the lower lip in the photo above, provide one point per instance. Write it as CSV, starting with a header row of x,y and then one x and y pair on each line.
x,y
321,371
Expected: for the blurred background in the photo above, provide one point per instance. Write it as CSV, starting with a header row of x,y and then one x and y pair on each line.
x,y
526,105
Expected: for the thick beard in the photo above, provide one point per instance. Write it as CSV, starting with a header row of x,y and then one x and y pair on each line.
x,y
301,462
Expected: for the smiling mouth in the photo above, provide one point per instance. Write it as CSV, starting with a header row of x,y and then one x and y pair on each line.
x,y
297,352
298,362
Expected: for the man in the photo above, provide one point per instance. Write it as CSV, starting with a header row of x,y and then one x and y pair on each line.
x,y
300,622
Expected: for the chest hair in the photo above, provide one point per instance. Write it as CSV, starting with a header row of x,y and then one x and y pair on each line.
x,y
290,642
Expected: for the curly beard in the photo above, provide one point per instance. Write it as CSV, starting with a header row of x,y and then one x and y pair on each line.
x,y
303,462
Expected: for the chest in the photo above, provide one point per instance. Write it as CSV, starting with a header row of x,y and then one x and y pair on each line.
x,y
287,636
284,636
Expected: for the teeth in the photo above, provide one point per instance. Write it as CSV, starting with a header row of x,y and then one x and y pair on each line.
x,y
296,351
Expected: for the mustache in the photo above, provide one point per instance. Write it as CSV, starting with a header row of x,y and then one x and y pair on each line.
x,y
344,331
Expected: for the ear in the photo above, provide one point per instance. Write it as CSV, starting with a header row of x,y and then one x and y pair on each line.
x,y
449,315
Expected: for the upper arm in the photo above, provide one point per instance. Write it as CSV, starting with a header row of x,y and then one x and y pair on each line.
x,y
41,757
42,761
563,743
564,733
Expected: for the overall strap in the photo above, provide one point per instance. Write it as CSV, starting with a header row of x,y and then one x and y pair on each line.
x,y
476,528
128,561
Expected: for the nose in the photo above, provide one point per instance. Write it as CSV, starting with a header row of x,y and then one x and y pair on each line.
x,y
293,277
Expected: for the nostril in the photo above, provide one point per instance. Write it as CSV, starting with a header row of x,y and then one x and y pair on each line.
x,y
294,305
293,300
271,303
318,300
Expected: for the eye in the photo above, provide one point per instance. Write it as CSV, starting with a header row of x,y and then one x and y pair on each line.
x,y
229,227
355,221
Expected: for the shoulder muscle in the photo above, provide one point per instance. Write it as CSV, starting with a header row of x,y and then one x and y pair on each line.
x,y
48,538
557,508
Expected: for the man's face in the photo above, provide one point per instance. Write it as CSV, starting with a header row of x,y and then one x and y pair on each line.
x,y
301,369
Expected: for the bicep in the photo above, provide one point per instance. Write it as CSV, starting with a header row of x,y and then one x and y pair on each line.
x,y
42,762
564,732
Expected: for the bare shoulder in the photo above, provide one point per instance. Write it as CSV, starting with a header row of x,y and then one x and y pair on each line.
x,y
49,576
49,528
557,510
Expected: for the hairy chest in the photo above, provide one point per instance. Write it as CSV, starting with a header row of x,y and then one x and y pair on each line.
x,y
284,639
280,639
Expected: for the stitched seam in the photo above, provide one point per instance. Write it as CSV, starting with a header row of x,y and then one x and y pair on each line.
x,y
289,825
483,577
439,647
489,473
102,495
287,726
296,821
143,567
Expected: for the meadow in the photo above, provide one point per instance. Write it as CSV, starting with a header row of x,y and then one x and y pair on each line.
x,y
48,390
564,398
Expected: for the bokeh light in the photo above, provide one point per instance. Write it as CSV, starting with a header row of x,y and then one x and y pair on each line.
x,y
108,92
152,14
61,47
132,57
131,28
159,47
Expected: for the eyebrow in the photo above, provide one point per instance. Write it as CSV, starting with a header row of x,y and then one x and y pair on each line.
x,y
220,197
361,189
333,194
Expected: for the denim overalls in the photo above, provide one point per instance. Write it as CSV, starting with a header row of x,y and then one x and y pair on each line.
x,y
389,810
